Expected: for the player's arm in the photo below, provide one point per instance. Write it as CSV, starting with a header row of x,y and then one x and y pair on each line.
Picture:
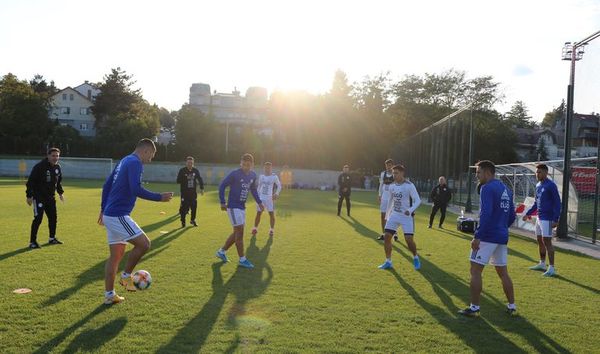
x,y
277,187
485,211
180,176
532,209
512,215
254,191
381,184
415,198
556,204
200,181
135,183
59,188
31,182
224,184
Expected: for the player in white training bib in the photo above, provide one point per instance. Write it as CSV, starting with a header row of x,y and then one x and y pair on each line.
x,y
403,200
269,188
385,181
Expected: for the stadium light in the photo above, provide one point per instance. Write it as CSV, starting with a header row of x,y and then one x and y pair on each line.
x,y
595,224
573,52
469,202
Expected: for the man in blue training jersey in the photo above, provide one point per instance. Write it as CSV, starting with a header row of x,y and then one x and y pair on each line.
x,y
240,182
496,214
547,204
119,193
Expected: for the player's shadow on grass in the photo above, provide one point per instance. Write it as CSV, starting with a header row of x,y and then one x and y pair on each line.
x,y
54,342
157,225
476,333
583,286
93,339
96,272
244,284
511,251
13,253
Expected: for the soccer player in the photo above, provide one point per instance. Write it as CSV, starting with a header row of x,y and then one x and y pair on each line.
x,y
240,182
547,204
385,181
44,180
440,196
496,214
189,178
402,202
266,183
119,193
345,188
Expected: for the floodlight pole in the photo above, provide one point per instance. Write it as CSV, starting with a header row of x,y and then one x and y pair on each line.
x,y
469,203
563,228
595,224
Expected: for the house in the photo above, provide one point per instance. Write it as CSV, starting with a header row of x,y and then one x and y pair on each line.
x,y
528,141
71,106
231,107
584,134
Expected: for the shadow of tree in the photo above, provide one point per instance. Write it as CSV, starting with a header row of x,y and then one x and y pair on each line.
x,y
244,284
96,272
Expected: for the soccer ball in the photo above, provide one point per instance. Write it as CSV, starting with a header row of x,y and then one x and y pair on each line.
x,y
142,279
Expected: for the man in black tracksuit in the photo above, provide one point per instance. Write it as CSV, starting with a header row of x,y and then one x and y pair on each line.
x,y
189,178
44,180
440,196
345,184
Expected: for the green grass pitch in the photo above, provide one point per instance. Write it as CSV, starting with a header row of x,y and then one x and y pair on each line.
x,y
315,288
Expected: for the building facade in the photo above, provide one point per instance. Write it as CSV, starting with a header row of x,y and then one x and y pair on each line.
x,y
231,107
72,107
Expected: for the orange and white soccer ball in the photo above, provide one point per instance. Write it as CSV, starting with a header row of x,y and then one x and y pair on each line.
x,y
142,279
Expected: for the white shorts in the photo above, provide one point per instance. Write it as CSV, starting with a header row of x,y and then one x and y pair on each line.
x,y
490,253
268,202
543,228
383,206
120,229
395,220
237,217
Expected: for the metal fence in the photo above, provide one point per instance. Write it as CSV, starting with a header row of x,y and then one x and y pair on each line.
x,y
520,178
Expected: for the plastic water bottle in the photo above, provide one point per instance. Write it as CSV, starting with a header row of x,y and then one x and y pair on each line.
x,y
462,213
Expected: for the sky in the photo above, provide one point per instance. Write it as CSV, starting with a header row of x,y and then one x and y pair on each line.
x,y
298,45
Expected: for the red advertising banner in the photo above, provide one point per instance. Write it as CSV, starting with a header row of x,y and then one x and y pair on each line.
x,y
584,179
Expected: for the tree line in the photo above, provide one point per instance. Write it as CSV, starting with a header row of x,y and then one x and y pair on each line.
x,y
356,123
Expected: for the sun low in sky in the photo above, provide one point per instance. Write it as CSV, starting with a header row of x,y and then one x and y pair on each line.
x,y
168,45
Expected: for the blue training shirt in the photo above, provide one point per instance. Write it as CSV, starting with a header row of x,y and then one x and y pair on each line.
x,y
496,213
547,201
239,185
123,186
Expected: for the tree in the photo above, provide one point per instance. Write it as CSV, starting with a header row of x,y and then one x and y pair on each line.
x,y
540,150
554,115
421,100
122,115
166,118
518,116
43,88
116,96
24,123
197,135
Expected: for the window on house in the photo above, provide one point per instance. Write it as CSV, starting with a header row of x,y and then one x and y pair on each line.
x,y
83,126
84,111
65,110
64,96
71,97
